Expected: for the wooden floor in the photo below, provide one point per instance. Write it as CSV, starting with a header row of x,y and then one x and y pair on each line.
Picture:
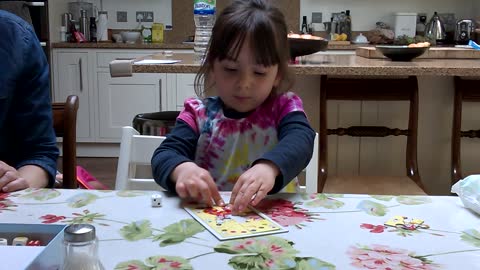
x,y
103,169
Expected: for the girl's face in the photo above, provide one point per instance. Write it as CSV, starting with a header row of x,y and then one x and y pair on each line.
x,y
242,84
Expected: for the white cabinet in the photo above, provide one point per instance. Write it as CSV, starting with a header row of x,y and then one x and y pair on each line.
x,y
107,104
71,77
180,87
120,99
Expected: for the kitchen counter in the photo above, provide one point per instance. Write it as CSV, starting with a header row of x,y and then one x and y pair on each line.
x,y
187,45
336,64
112,45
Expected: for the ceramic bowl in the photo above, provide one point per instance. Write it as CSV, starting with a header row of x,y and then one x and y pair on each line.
x,y
300,46
130,36
401,53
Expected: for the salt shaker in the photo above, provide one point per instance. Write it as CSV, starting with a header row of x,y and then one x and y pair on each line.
x,y
80,245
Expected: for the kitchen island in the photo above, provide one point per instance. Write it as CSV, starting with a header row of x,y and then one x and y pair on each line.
x,y
370,156
336,64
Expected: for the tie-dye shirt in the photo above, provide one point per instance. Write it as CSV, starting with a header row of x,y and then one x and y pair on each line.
x,y
227,147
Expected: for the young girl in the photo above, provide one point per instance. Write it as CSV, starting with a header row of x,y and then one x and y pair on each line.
x,y
253,136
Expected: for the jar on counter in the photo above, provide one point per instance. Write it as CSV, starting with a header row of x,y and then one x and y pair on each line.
x,y
157,33
147,34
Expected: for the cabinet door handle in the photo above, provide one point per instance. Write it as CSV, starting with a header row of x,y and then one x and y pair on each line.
x,y
160,92
81,74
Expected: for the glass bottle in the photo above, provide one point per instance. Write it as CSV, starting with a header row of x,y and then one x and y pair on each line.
x,y
304,25
93,29
80,248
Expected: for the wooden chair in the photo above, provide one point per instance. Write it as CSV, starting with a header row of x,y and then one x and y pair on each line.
x,y
466,90
371,89
65,125
136,152
311,171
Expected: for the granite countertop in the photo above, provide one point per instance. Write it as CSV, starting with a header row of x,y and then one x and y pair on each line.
x,y
320,64
185,45
113,45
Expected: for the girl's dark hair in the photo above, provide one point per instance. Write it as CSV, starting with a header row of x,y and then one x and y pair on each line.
x,y
265,27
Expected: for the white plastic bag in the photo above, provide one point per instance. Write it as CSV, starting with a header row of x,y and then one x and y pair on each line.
x,y
468,189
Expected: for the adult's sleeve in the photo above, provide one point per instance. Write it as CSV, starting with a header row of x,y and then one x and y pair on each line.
x,y
32,107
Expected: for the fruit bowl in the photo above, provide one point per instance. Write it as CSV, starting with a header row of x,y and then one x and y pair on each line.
x,y
303,46
401,53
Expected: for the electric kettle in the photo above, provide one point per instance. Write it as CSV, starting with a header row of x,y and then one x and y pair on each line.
x,y
435,29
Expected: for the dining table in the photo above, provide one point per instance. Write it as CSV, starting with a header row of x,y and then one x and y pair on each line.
x,y
325,231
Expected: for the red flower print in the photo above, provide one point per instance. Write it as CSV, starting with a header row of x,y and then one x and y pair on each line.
x,y
3,196
284,212
373,228
384,257
51,218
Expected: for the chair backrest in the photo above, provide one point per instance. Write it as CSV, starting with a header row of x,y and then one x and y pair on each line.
x,y
370,89
65,125
136,153
465,90
311,171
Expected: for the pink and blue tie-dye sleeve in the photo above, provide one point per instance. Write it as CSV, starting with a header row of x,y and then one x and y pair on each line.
x,y
189,114
287,103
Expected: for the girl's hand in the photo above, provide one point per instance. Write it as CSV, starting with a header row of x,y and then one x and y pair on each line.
x,y
253,185
196,183
10,179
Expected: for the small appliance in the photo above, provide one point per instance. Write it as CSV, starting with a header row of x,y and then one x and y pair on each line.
x,y
464,31
435,29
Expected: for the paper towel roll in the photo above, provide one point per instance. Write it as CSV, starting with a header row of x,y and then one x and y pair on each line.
x,y
121,68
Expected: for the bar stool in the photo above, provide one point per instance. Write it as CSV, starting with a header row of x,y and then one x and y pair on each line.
x,y
466,90
371,89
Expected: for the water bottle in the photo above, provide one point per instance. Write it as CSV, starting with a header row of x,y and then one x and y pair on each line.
x,y
204,17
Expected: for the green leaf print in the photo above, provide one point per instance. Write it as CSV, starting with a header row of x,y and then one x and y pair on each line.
x,y
322,200
178,232
86,217
130,193
334,195
309,263
132,265
169,262
260,253
382,197
41,194
254,262
156,262
471,236
81,200
373,208
413,200
137,230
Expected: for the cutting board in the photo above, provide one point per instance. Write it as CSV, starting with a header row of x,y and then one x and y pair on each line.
x,y
338,42
432,53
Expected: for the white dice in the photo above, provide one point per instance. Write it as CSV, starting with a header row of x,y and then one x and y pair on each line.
x,y
156,200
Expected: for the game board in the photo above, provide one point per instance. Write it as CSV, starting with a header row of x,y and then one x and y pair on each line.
x,y
225,226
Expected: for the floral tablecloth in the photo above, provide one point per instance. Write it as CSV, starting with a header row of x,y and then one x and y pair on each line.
x,y
326,231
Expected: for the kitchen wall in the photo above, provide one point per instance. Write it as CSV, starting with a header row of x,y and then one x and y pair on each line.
x,y
366,12
178,13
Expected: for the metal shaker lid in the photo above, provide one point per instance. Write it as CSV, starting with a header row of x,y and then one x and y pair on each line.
x,y
79,233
